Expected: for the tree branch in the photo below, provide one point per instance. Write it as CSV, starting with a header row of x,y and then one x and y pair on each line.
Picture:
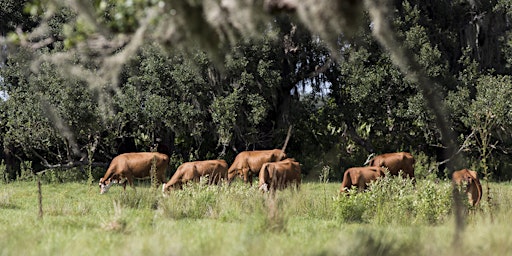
x,y
464,146
72,165
288,135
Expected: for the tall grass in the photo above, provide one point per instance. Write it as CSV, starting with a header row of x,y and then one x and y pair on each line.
x,y
394,217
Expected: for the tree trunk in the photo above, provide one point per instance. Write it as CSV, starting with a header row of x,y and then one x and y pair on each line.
x,y
482,34
12,164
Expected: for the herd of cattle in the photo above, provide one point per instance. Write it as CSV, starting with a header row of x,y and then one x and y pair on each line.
x,y
273,168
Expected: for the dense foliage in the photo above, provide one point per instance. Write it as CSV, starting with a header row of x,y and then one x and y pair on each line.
x,y
343,106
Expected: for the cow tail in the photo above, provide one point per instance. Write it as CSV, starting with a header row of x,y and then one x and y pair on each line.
x,y
266,174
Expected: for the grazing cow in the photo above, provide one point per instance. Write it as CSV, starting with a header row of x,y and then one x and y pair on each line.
x,y
248,163
193,171
279,175
360,177
473,186
395,162
127,166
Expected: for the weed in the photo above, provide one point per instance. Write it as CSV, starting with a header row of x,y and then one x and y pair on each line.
x,y
117,223
6,201
138,199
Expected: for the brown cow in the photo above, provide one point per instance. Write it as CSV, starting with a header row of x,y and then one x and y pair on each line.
x,y
248,163
360,177
473,186
395,162
127,166
279,175
193,171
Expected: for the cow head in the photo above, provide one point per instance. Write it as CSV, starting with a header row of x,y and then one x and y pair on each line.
x,y
468,180
169,187
264,187
235,173
280,156
231,175
164,190
105,184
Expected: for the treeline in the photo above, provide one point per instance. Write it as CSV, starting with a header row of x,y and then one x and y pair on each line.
x,y
193,105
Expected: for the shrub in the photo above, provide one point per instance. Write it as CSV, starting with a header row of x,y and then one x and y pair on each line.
x,y
433,201
394,200
425,167
351,208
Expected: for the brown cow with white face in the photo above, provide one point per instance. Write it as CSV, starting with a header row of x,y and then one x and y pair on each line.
x,y
278,175
360,177
193,171
470,180
395,162
248,163
127,166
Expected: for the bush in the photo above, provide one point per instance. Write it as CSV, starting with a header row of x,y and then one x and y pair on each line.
x,y
351,208
425,167
394,200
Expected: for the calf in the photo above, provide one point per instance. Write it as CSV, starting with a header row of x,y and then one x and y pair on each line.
x,y
473,186
193,171
360,177
278,175
127,166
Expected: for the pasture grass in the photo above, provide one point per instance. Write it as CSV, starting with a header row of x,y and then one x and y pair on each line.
x,y
394,218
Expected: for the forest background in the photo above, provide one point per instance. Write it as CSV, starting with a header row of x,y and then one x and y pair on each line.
x,y
82,81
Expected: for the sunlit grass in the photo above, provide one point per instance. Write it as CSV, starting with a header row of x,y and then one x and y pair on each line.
x,y
393,218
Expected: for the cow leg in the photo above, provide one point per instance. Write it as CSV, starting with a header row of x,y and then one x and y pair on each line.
x,y
129,181
245,172
161,178
411,176
345,184
283,183
249,174
361,183
216,178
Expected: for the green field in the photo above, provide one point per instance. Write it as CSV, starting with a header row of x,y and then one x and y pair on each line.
x,y
394,218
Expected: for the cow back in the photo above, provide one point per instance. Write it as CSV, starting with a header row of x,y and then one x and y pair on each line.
x,y
360,177
395,162
280,174
140,163
252,161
